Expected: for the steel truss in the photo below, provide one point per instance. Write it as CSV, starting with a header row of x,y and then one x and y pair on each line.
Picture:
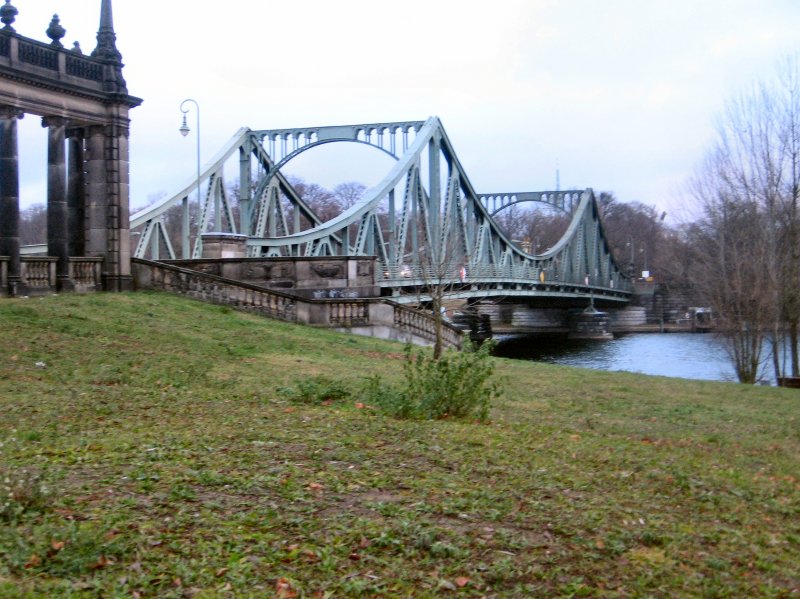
x,y
424,221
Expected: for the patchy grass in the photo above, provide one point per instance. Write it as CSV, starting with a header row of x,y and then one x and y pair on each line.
x,y
175,467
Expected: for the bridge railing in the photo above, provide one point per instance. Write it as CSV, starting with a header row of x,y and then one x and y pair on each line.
x,y
541,275
346,313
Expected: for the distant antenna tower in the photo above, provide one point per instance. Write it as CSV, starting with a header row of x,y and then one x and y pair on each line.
x,y
558,177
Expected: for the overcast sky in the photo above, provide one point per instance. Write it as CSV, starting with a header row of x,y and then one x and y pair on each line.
x,y
620,95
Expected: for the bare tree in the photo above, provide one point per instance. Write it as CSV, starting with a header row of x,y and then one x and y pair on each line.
x,y
33,225
733,271
348,193
749,191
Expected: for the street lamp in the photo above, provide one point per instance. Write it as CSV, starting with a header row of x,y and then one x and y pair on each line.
x,y
184,129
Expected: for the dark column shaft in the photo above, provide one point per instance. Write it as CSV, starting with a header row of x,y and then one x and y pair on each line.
x,y
9,193
76,194
57,244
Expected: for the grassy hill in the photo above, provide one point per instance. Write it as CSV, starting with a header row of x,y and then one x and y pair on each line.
x,y
176,466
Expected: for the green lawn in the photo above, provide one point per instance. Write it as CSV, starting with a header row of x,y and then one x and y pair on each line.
x,y
176,466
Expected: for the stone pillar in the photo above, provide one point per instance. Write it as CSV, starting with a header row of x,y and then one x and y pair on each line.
x,y
76,194
119,227
57,198
9,197
96,194
107,204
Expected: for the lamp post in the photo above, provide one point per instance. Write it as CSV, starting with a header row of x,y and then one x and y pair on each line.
x,y
629,245
184,129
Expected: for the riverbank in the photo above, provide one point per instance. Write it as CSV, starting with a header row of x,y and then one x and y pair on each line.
x,y
177,466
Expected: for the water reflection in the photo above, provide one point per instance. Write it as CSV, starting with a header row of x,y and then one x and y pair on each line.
x,y
684,355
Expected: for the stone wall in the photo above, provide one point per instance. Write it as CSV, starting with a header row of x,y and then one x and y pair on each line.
x,y
333,276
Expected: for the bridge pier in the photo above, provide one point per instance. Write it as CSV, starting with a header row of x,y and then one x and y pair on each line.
x,y
590,325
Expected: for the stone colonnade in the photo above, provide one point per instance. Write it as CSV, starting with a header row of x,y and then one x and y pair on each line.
x,y
87,198
84,104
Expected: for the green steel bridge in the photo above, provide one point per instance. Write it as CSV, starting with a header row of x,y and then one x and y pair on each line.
x,y
424,222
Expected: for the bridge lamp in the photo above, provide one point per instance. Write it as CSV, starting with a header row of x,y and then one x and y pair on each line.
x,y
184,129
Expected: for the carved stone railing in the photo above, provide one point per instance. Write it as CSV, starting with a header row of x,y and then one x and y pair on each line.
x,y
348,313
78,66
424,325
364,315
86,274
38,274
60,64
38,55
211,288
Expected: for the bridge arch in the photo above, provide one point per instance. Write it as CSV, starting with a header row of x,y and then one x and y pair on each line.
x,y
266,178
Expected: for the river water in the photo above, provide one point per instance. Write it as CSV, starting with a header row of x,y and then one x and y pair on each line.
x,y
683,355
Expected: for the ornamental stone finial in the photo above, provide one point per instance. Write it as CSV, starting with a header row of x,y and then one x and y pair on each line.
x,y
106,38
55,32
8,14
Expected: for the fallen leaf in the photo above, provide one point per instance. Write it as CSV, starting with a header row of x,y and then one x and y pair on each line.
x,y
221,572
57,545
112,534
284,589
462,581
101,563
34,561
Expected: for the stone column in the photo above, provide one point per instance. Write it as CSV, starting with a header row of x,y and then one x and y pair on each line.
x,y
119,234
9,197
107,204
57,198
76,194
96,194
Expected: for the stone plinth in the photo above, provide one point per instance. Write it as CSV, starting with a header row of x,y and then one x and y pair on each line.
x,y
224,245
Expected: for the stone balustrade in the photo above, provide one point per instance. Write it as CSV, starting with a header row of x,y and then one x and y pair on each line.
x,y
85,274
424,325
43,59
367,316
38,274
